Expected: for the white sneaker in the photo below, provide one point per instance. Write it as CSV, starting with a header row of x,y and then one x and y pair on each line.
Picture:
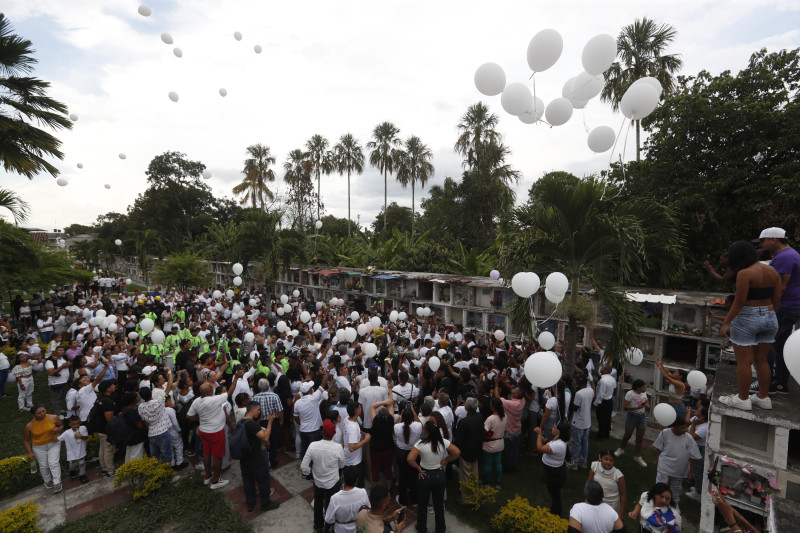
x,y
765,403
219,484
733,400
639,461
199,466
693,495
618,452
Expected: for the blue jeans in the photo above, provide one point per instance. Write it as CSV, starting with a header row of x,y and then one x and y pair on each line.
x,y
512,451
306,438
46,336
580,445
492,461
786,321
755,325
161,447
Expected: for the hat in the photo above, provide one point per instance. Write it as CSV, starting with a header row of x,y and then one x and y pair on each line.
x,y
328,428
306,386
773,233
146,371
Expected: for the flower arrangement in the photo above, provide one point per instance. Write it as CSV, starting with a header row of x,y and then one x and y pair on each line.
x,y
22,518
519,516
475,495
146,475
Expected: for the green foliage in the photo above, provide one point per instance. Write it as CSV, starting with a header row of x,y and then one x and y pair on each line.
x,y
22,518
15,205
519,516
257,173
382,148
413,167
396,216
182,271
77,229
146,475
13,475
332,225
475,495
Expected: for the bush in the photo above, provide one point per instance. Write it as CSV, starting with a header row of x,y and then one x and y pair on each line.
x,y
146,475
475,495
519,516
93,446
14,472
22,518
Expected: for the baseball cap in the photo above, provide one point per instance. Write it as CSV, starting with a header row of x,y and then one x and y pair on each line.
x,y
306,386
773,233
328,428
146,371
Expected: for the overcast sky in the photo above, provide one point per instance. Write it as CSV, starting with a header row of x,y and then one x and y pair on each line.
x,y
331,68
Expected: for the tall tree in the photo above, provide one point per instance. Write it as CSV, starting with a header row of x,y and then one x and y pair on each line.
x,y
475,130
414,166
24,148
385,140
297,174
320,161
348,157
18,207
257,173
640,49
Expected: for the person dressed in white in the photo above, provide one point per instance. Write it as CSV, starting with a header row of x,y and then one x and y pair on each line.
x,y
594,516
345,504
324,458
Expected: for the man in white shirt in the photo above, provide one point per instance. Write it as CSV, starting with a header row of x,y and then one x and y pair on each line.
x,y
581,421
369,395
209,411
603,400
324,458
443,406
306,412
57,368
345,504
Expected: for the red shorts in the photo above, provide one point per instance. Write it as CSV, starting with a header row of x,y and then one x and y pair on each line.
x,y
213,443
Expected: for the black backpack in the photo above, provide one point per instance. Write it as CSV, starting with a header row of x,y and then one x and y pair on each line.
x,y
119,432
239,443
95,420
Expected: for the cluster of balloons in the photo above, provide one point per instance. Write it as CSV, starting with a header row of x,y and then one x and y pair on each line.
x,y
526,284
598,55
108,323
336,302
424,311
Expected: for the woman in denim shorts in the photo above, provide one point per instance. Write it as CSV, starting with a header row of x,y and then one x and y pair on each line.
x,y
636,406
751,324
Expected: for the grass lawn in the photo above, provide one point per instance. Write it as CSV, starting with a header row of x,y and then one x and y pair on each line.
x,y
528,482
185,506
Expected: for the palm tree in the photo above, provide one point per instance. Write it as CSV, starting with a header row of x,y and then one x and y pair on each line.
x,y
320,160
348,157
640,49
384,141
297,174
13,202
569,226
256,175
413,165
476,130
24,148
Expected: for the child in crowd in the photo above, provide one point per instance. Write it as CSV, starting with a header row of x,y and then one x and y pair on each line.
x,y
174,435
74,440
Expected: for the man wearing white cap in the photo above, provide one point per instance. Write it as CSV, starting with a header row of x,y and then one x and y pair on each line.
x,y
786,261
306,412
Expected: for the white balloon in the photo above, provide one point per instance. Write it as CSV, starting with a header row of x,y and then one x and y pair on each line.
x,y
664,414
553,298
354,316
634,356
173,96
499,334
420,311
427,311
696,379
516,99
653,82
118,242
370,350
586,86
253,302
318,224
340,335
558,111
525,284
494,274
237,35
166,38
546,340
296,293
73,117
177,51
281,326
376,322
557,283
599,53
791,354
534,113
93,321
107,185
543,369
544,50
144,10
123,156
133,335
257,48
157,337
340,302
237,281
402,316
332,302
80,165
280,311
128,281
568,92
294,333
287,308
219,307
317,327
112,327
305,316
237,269
62,182
639,101
393,316
254,355
284,299
362,329
442,352
102,314
223,92
229,293
350,334
249,336
206,174
490,79
433,363
601,139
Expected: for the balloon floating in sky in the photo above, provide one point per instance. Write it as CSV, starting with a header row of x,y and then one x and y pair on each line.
x,y
237,35
173,96
544,50
516,99
73,117
558,111
177,51
601,139
639,101
599,54
223,92
80,165
107,185
118,242
206,174
490,79
123,156
62,182
144,10
257,48
318,224
166,38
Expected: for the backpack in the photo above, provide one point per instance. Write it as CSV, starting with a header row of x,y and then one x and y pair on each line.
x,y
119,432
239,443
95,420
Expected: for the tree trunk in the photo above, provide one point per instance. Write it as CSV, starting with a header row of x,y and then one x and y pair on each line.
x,y
412,209
572,331
318,196
385,198
348,202
638,145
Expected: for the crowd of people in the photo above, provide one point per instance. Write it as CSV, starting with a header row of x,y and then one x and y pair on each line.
x,y
399,404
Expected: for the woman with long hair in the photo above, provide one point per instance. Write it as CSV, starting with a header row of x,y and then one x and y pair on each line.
x,y
433,452
555,410
657,511
554,454
407,431
493,443
635,405
751,323
41,442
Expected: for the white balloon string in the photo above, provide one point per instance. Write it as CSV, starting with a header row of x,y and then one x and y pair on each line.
x,y
611,157
583,114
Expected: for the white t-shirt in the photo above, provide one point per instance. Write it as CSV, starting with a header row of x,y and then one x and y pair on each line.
x,y
702,431
352,435
76,448
414,434
86,399
675,453
559,449
210,411
405,392
582,417
594,518
428,459
343,508
59,378
367,397
634,398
